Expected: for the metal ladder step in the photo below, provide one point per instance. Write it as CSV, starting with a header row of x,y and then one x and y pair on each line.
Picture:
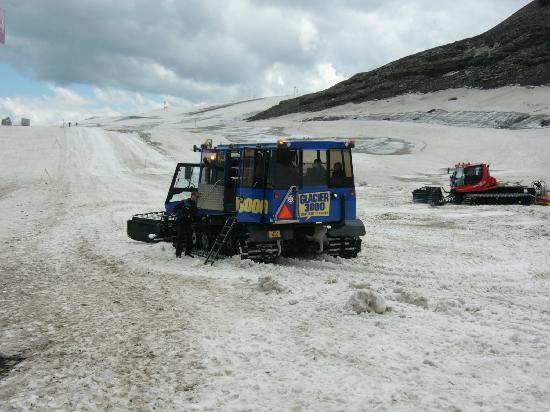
x,y
221,240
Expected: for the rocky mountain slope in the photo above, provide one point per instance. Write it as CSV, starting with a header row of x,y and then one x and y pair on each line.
x,y
517,51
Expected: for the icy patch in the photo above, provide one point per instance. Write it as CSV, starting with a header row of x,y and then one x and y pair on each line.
x,y
411,298
383,146
268,284
375,145
366,301
489,119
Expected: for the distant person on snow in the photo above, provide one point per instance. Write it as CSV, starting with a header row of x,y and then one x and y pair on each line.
x,y
185,211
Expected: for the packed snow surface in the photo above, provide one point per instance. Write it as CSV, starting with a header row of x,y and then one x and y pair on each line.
x,y
459,299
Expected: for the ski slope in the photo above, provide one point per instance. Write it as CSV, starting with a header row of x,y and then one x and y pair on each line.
x,y
103,322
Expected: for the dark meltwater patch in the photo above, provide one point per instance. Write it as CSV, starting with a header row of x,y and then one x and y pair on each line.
x,y
7,363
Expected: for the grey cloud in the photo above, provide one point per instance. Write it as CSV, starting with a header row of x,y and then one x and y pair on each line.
x,y
214,50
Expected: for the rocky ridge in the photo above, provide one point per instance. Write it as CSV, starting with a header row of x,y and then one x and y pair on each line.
x,y
515,52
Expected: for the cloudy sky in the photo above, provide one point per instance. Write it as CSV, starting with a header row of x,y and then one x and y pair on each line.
x,y
71,59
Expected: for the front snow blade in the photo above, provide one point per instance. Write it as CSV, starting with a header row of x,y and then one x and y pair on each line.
x,y
428,194
147,227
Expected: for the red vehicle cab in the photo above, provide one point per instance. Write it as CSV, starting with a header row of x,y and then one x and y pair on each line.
x,y
470,177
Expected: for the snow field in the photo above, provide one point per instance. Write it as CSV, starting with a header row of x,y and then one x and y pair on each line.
x,y
104,322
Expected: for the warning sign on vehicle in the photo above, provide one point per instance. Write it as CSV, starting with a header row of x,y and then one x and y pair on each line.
x,y
314,204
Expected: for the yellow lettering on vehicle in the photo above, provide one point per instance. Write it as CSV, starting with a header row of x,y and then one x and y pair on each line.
x,y
314,204
250,205
257,206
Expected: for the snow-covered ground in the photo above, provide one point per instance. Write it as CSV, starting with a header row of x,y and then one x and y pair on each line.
x,y
104,322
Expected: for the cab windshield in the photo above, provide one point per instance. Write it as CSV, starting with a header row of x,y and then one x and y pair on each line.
x,y
458,177
186,180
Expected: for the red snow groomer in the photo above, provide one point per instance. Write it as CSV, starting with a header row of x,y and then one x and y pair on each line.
x,y
471,183
542,195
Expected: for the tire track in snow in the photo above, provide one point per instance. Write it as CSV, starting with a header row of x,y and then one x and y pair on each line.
x,y
97,332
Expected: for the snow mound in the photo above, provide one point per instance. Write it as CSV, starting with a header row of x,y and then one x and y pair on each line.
x,y
268,284
366,301
412,298
448,305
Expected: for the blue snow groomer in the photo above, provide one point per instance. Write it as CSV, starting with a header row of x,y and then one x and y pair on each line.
x,y
264,200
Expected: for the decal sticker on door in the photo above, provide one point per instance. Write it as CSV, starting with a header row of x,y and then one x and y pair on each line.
x,y
314,204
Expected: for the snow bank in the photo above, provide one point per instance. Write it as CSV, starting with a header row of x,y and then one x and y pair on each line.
x,y
366,301
268,284
411,298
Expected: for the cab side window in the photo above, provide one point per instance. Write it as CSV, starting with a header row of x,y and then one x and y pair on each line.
x,y
259,169
284,169
473,175
340,168
314,167
247,176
